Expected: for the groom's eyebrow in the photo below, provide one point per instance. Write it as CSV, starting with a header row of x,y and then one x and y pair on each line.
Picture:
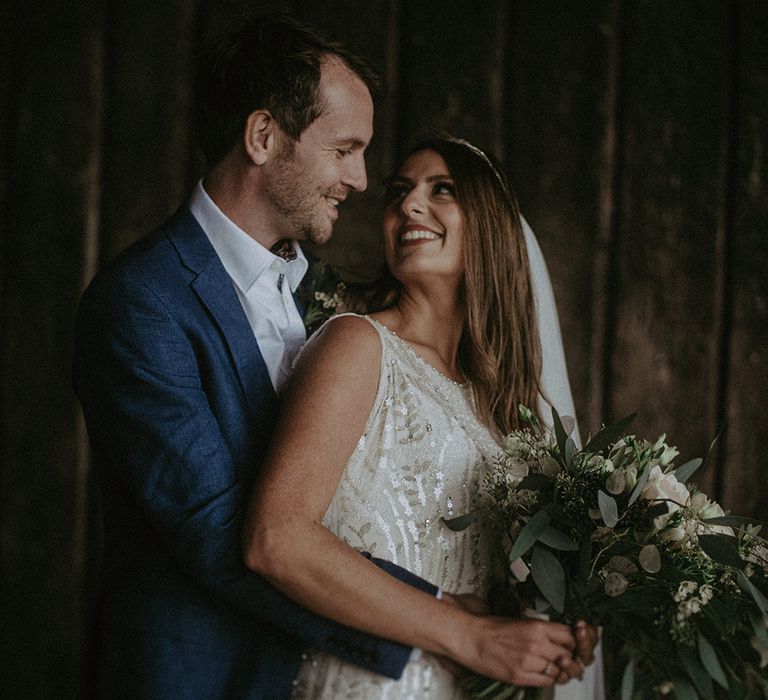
x,y
351,142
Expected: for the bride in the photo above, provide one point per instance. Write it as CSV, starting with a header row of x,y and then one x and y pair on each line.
x,y
387,426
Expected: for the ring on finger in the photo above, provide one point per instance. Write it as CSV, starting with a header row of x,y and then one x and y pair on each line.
x,y
547,669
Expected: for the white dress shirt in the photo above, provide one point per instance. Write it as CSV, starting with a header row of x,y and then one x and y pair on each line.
x,y
264,283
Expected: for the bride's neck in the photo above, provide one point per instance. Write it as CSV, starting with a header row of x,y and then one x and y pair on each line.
x,y
432,325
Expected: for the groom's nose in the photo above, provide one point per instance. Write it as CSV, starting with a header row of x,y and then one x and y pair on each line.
x,y
355,176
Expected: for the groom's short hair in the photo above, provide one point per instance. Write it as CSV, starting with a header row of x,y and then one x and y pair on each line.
x,y
270,62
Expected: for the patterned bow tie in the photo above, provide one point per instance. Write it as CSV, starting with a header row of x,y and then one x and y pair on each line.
x,y
285,249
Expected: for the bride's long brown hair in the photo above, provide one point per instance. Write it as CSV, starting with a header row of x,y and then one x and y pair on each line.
x,y
499,350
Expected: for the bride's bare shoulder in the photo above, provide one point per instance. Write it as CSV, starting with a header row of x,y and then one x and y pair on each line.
x,y
347,340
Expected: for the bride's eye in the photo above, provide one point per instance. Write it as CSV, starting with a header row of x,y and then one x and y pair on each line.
x,y
395,191
444,187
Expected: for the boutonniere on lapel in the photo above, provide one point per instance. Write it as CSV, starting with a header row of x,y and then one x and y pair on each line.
x,y
321,293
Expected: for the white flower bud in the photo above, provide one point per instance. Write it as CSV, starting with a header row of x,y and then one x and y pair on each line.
x,y
616,482
668,455
630,477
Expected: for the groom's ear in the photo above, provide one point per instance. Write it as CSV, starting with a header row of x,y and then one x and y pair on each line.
x,y
260,136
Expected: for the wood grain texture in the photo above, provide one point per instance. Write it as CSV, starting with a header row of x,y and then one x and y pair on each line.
x,y
560,130
674,128
452,75
54,135
148,77
744,483
635,134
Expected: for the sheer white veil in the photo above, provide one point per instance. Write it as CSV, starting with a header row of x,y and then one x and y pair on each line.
x,y
557,390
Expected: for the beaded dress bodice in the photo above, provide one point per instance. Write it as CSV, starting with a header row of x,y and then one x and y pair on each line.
x,y
420,459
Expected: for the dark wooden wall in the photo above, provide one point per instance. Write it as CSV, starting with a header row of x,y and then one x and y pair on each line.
x,y
636,135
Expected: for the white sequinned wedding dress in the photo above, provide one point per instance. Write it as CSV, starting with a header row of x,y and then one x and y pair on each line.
x,y
420,459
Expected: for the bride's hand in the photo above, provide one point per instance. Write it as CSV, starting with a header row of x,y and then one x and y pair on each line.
x,y
519,652
587,637
468,602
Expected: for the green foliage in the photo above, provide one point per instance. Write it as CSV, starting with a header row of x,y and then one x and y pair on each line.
x,y
615,534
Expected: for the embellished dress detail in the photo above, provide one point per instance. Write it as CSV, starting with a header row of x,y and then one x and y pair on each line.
x,y
420,459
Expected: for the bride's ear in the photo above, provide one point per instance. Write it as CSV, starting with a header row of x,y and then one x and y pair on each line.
x,y
260,136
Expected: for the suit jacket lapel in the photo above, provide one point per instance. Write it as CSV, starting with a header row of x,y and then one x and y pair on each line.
x,y
216,291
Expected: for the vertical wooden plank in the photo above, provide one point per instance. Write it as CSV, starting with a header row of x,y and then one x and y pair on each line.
x,y
675,116
561,134
745,488
149,76
50,205
370,30
452,74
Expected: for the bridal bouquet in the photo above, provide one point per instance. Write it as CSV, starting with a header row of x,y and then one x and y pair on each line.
x,y
615,534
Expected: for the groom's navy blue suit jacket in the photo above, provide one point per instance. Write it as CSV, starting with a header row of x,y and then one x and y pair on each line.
x,y
179,408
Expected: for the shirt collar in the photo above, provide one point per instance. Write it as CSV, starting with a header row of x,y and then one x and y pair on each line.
x,y
244,258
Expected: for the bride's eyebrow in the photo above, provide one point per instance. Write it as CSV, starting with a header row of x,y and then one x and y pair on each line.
x,y
399,179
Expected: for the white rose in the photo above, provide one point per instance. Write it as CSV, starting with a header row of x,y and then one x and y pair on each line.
x,y
665,487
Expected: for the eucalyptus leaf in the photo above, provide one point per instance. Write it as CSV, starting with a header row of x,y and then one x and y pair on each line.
x,y
685,691
733,521
585,556
639,486
608,509
709,658
529,534
723,549
628,681
608,435
490,689
757,595
758,625
558,540
560,435
711,451
508,692
570,451
459,523
549,576
686,471
696,671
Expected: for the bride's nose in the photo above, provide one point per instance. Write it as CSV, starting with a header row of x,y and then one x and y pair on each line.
x,y
413,203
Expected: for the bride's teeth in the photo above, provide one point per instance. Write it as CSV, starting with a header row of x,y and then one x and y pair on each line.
x,y
418,235
333,202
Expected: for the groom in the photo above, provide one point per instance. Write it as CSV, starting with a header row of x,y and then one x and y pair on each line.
x,y
181,345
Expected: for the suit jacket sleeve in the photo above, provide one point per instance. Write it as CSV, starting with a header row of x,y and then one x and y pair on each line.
x,y
158,438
